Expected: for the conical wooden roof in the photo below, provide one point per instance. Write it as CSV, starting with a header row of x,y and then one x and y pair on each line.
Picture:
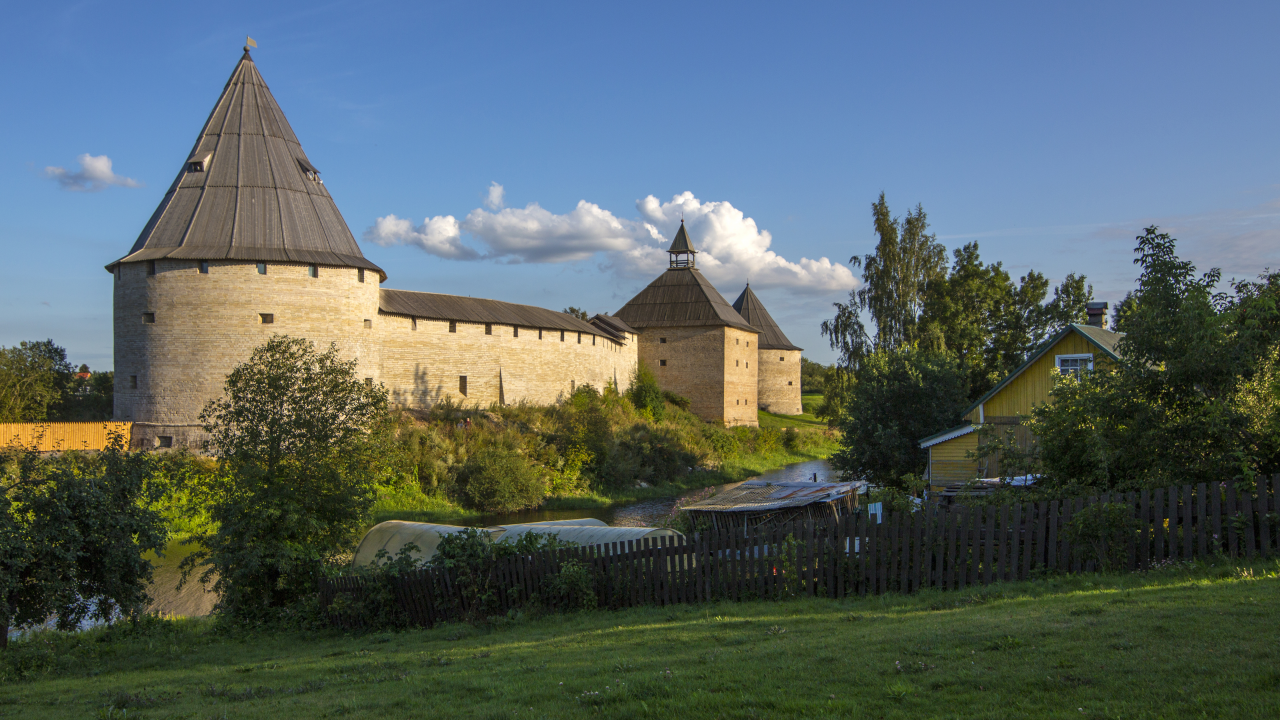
x,y
752,310
681,243
248,191
681,297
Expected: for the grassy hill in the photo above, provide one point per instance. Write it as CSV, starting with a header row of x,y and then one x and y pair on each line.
x,y
1194,641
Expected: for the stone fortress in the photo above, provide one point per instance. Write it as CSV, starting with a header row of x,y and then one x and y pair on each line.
x,y
247,243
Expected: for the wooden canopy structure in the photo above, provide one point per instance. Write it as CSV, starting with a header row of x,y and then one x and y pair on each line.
x,y
761,503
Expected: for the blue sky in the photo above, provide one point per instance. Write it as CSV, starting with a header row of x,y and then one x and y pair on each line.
x,y
1049,134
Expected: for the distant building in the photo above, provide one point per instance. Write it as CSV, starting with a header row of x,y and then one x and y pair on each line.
x,y
1076,348
247,243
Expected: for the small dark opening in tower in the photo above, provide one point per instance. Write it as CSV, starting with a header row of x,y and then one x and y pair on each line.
x,y
164,441
204,267
539,333
515,331
462,385
413,323
368,324
488,328
662,363
133,382
314,271
148,318
360,274
267,318
151,267
262,268
453,326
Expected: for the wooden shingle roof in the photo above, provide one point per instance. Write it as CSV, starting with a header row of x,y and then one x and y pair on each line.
x,y
752,310
681,297
248,191
435,306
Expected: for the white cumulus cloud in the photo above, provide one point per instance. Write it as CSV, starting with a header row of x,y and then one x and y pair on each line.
x,y
95,174
732,248
437,235
495,199
534,234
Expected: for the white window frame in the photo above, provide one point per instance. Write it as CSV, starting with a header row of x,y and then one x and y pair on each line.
x,y
1057,360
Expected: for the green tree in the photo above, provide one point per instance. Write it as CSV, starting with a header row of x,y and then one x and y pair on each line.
x,y
73,532
301,443
898,398
1193,398
33,379
895,280
813,376
989,322
576,312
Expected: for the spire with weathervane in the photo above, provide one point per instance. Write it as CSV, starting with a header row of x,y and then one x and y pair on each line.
x,y
682,251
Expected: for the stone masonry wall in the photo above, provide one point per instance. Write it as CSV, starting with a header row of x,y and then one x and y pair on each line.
x,y
422,362
708,365
740,378
207,323
779,383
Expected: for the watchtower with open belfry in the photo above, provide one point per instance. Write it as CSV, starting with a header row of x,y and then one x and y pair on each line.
x,y
778,363
695,343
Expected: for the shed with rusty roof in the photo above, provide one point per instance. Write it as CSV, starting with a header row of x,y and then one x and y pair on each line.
x,y
762,503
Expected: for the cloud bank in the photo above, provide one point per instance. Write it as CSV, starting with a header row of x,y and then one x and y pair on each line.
x,y
94,175
732,248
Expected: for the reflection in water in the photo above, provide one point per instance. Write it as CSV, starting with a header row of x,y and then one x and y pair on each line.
x,y
647,512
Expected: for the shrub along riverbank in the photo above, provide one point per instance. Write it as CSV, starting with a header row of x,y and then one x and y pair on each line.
x,y
1177,642
591,451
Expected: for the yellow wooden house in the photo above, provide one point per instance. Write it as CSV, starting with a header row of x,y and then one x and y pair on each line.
x,y
1075,348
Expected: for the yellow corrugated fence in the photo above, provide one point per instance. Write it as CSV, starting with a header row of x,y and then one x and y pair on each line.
x,y
54,436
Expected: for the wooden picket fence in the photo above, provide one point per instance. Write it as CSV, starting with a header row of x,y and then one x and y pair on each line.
x,y
950,548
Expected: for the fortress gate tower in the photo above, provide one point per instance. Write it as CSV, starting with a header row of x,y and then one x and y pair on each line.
x,y
696,344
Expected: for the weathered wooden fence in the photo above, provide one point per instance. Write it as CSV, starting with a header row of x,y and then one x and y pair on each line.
x,y
935,547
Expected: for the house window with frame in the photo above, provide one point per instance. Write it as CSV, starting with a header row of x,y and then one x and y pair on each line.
x,y
1073,364
462,385
262,268
453,326
204,267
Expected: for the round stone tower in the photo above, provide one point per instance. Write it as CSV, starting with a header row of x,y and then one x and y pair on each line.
x,y
246,243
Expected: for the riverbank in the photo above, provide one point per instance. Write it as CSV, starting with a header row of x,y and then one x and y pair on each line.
x,y
413,505
1178,642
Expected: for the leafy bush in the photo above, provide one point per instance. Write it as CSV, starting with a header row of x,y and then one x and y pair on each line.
x,y
645,394
498,479
73,532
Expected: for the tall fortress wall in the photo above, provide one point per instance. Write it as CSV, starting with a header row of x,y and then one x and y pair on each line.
x,y
248,243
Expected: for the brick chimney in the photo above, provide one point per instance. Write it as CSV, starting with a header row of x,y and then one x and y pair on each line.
x,y
1097,312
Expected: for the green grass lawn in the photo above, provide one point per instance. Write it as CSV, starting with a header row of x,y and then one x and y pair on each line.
x,y
778,422
1177,643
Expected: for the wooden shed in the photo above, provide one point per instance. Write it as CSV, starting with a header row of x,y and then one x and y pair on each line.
x,y
761,503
